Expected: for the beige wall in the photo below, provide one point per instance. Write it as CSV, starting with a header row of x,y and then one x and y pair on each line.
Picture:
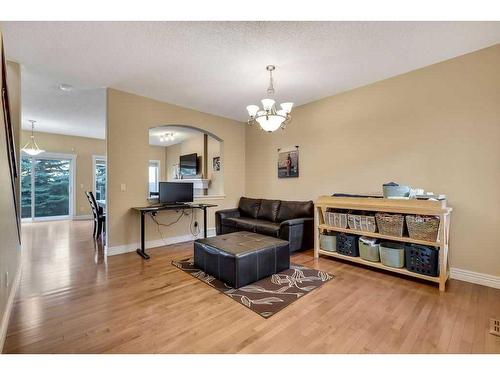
x,y
195,145
129,119
159,153
437,128
10,255
172,156
83,148
216,178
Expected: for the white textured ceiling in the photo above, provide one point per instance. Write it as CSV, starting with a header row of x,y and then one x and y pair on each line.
x,y
80,112
219,67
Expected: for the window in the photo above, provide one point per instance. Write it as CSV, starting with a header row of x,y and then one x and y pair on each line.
x,y
154,177
99,177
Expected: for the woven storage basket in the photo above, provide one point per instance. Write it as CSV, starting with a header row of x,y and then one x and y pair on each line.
x,y
336,219
361,222
390,224
423,227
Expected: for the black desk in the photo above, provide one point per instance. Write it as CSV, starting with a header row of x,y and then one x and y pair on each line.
x,y
170,207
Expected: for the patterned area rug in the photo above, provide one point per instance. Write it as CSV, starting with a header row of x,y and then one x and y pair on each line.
x,y
268,296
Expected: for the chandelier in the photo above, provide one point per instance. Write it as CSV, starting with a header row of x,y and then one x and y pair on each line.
x,y
269,118
31,148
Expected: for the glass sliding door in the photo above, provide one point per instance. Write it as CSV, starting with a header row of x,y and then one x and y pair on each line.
x,y
26,188
52,187
46,187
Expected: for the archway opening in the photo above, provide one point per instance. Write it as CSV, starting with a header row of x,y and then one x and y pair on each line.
x,y
184,153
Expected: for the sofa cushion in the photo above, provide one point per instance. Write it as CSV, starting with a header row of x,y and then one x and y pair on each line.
x,y
243,223
267,228
294,210
249,207
253,225
268,210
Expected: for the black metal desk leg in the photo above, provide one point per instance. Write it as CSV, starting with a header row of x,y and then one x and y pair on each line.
x,y
142,250
204,222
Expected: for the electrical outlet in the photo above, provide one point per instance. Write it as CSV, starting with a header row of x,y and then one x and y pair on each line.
x,y
6,279
495,327
123,187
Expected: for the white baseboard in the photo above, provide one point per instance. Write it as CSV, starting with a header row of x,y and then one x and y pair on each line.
x,y
128,248
83,217
475,277
9,306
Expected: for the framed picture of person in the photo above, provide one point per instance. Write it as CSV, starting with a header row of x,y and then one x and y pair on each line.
x,y
216,164
288,162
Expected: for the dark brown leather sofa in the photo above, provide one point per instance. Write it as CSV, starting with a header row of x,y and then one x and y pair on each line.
x,y
289,220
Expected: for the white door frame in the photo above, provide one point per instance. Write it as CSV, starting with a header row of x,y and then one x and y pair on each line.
x,y
72,183
94,159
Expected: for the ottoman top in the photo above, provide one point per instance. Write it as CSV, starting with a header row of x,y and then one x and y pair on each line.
x,y
239,243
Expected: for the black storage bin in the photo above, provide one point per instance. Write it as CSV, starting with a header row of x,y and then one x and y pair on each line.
x,y
347,245
422,259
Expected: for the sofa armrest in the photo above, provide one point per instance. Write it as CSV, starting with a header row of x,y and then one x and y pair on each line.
x,y
299,233
299,221
222,214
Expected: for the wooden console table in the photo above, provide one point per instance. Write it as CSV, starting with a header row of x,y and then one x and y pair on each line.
x,y
410,206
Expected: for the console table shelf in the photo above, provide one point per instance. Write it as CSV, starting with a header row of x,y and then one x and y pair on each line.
x,y
359,260
415,207
379,235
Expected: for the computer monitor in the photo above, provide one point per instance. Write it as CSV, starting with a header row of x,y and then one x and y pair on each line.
x,y
176,192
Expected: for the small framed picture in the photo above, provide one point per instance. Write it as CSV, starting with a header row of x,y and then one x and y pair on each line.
x,y
288,162
216,163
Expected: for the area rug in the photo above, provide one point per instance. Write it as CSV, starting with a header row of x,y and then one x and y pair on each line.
x,y
268,296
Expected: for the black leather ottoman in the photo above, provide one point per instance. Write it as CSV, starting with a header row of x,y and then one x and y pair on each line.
x,y
241,258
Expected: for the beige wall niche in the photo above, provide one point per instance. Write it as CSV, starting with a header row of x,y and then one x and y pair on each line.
x,y
83,148
129,118
195,145
437,128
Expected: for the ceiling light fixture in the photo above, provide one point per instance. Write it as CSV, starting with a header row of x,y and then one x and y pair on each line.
x,y
65,87
31,148
167,137
270,119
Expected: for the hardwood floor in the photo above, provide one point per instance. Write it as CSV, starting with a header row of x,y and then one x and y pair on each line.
x,y
72,300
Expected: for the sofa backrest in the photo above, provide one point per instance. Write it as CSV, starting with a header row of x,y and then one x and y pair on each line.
x,y
275,210
269,209
249,207
294,210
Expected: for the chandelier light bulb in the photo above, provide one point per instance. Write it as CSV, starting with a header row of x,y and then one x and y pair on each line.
x,y
252,110
267,104
287,107
271,123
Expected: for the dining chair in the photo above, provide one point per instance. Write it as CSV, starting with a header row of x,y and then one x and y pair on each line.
x,y
98,214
